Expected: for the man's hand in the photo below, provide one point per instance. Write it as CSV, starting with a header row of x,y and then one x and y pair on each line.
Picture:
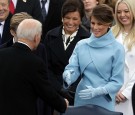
x,y
65,93
67,103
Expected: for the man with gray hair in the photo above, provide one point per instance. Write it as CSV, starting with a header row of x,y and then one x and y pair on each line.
x,y
29,31
23,76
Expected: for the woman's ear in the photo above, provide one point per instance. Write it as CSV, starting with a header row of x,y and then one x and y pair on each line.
x,y
110,26
12,33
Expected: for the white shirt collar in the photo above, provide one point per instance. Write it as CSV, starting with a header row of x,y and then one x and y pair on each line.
x,y
66,36
1,27
14,2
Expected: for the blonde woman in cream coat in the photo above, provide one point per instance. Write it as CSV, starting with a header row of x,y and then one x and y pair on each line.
x,y
124,31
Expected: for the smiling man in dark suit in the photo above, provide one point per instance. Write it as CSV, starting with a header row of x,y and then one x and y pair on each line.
x,y
5,17
53,17
32,7
23,75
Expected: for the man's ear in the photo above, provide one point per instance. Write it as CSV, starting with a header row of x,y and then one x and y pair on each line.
x,y
37,39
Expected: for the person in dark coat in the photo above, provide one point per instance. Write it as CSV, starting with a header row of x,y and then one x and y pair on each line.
x,y
32,7
59,51
24,77
42,107
5,22
133,98
53,17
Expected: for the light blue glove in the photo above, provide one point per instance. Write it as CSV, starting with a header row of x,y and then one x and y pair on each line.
x,y
67,77
91,92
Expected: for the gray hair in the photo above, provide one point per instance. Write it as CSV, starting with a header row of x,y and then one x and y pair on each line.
x,y
28,28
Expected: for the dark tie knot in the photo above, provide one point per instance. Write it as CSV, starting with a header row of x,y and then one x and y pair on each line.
x,y
43,2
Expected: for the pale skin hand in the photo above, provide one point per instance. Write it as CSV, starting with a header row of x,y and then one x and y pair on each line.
x,y
120,97
67,102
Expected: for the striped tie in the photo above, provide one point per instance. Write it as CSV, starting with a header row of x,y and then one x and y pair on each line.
x,y
43,9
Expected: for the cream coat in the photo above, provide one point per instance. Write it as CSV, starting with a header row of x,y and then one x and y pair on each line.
x,y
129,80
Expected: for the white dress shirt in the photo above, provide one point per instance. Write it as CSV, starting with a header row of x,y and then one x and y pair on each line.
x,y
1,27
66,36
14,2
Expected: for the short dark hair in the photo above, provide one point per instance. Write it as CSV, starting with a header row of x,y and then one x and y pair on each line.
x,y
72,6
103,13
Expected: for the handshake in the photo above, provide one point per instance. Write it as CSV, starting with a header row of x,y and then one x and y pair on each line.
x,y
66,94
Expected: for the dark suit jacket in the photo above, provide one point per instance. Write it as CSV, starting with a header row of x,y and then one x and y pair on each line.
x,y
32,7
23,78
6,36
40,51
133,99
53,18
42,107
57,56
7,44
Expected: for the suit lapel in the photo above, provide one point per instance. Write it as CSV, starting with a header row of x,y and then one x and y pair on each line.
x,y
71,47
18,4
6,30
51,10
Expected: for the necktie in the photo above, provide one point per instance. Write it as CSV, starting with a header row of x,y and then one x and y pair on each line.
x,y
68,40
11,7
43,9
0,36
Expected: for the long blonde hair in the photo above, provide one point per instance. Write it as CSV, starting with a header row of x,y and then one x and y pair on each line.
x,y
129,41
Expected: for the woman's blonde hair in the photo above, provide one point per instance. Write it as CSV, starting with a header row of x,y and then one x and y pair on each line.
x,y
129,41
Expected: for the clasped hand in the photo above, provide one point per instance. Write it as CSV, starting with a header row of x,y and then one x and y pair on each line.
x,y
87,93
91,92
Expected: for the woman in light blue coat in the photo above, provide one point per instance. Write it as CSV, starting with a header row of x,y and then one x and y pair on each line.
x,y
99,60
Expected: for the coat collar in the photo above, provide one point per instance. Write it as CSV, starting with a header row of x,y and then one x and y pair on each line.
x,y
21,46
104,40
81,32
57,45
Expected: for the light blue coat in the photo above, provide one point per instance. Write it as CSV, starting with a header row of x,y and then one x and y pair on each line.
x,y
100,61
